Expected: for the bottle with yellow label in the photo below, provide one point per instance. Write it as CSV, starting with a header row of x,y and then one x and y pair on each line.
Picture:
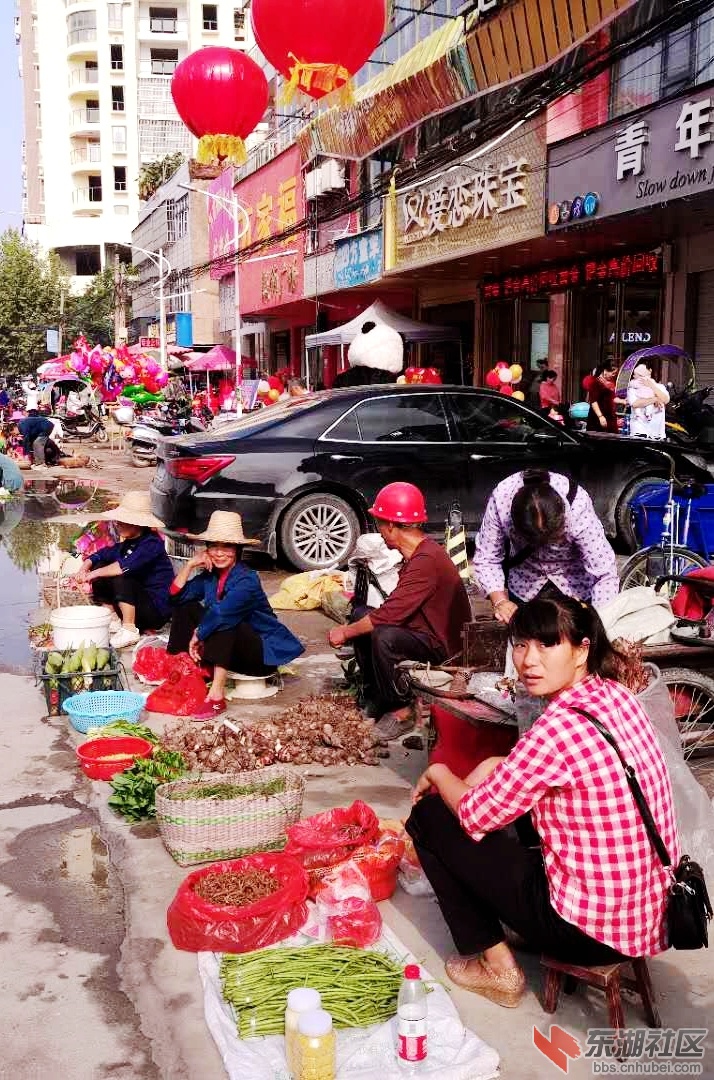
x,y
315,1046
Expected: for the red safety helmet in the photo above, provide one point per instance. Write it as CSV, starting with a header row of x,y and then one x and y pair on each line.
x,y
399,502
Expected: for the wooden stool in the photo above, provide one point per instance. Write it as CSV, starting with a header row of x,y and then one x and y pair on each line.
x,y
117,438
609,978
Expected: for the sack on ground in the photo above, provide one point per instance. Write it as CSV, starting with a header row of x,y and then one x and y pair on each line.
x,y
195,925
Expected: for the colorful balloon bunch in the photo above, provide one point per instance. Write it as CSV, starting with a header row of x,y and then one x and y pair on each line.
x,y
503,377
116,373
414,375
270,389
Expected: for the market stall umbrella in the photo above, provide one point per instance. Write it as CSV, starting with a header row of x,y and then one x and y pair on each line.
x,y
53,369
219,358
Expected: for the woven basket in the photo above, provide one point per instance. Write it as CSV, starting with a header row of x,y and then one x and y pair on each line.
x,y
206,830
66,597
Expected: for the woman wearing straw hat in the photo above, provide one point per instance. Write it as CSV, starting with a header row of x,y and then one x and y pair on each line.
x,y
134,576
222,616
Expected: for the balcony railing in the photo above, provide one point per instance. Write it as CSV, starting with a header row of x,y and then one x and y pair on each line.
x,y
81,117
81,35
84,77
84,198
86,155
163,26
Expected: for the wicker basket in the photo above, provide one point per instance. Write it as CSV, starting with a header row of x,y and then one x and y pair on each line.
x,y
206,830
65,597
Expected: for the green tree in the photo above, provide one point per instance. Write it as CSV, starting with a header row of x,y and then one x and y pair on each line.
x,y
156,173
31,288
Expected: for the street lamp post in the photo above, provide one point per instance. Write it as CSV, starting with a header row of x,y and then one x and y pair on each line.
x,y
159,260
235,209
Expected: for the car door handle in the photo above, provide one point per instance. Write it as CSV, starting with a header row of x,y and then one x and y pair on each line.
x,y
344,457
478,457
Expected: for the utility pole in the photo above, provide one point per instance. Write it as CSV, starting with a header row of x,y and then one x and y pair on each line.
x,y
119,301
60,328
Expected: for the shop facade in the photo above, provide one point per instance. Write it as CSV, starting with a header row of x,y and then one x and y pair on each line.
x,y
485,201
652,172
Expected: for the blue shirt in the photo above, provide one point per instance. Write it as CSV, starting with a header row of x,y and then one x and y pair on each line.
x,y
243,601
33,427
10,475
145,558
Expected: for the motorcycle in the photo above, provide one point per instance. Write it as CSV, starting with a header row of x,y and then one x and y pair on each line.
x,y
82,426
691,414
145,435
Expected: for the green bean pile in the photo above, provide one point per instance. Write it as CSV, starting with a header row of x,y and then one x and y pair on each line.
x,y
359,987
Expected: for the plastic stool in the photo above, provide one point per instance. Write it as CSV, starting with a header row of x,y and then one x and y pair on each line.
x,y
251,687
607,977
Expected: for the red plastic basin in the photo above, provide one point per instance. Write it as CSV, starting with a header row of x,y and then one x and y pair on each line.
x,y
93,755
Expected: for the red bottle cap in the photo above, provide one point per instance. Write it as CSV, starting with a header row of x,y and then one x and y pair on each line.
x,y
411,971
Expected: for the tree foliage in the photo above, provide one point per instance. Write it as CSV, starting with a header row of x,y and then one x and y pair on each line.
x,y
156,173
92,312
31,288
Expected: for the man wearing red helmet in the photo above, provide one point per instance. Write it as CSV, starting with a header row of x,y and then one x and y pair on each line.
x,y
422,619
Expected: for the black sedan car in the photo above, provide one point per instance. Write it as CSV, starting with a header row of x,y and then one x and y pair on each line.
x,y
303,474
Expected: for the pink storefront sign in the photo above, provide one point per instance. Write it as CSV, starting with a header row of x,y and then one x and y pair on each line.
x,y
221,228
274,201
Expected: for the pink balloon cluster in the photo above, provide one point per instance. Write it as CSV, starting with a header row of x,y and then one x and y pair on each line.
x,y
503,377
113,369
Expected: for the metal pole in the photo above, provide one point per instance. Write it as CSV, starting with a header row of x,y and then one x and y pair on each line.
x,y
236,278
162,313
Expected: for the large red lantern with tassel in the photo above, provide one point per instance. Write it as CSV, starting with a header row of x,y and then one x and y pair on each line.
x,y
321,43
220,94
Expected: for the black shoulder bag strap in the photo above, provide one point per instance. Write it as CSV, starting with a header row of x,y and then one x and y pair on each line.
x,y
637,793
511,562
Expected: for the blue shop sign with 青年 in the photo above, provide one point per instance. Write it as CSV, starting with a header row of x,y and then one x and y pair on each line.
x,y
358,259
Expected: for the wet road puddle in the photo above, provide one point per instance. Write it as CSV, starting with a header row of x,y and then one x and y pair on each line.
x,y
34,527
84,858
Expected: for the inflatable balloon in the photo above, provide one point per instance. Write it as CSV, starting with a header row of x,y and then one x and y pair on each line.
x,y
506,389
501,364
263,386
519,395
516,372
492,380
273,394
504,375
162,379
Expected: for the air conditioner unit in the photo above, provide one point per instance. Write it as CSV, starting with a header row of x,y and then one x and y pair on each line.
x,y
333,175
313,184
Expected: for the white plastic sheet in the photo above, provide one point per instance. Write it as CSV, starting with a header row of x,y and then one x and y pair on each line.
x,y
362,1053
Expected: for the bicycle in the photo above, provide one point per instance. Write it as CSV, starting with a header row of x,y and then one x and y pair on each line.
x,y
671,557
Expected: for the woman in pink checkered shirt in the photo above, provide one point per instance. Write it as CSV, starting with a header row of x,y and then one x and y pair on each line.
x,y
593,891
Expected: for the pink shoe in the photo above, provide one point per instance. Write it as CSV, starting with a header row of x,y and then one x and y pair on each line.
x,y
209,709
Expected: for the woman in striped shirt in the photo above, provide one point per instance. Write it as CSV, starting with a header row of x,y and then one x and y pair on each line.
x,y
594,891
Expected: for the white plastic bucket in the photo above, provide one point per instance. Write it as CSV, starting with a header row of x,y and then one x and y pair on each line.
x,y
73,625
124,414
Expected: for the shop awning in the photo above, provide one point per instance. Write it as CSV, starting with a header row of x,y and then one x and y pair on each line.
x,y
410,329
219,358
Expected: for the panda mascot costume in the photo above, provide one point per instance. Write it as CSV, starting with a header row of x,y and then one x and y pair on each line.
x,y
375,356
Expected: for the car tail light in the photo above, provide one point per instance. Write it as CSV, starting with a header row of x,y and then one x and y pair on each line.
x,y
200,469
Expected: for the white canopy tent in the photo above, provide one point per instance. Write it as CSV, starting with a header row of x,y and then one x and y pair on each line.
x,y
410,329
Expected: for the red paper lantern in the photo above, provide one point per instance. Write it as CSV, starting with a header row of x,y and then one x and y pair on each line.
x,y
220,94
320,44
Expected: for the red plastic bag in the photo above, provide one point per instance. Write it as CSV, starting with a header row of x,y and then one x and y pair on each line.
x,y
152,663
179,695
196,925
344,909
330,837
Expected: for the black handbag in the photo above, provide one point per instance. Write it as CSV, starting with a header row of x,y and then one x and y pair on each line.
x,y
689,908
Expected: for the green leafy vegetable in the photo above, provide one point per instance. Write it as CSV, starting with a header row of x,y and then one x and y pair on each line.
x,y
122,727
135,790
228,791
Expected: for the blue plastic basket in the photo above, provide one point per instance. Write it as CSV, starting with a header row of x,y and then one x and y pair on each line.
x,y
103,707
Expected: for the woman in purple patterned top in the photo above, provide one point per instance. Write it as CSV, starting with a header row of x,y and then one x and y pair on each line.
x,y
547,529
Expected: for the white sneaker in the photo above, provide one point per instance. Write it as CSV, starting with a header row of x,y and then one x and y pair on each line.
x,y
115,625
124,638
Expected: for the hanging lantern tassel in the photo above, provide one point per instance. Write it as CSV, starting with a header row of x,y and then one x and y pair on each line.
x,y
456,542
329,79
221,148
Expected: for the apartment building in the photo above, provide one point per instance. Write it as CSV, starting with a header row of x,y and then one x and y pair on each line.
x,y
97,106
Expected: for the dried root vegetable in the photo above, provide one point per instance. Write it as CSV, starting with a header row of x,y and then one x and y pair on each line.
x,y
236,888
325,730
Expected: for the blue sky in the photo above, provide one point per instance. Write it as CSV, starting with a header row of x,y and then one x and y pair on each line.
x,y
10,92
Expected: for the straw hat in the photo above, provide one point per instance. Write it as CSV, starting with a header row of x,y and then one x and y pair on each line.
x,y
134,509
224,527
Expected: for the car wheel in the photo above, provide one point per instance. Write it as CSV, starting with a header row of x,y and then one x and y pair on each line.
x,y
318,531
624,519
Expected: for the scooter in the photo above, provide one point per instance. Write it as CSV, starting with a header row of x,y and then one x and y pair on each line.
x,y
82,426
691,414
144,438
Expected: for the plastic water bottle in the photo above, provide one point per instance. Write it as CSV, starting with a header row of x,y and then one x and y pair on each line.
x,y
411,1022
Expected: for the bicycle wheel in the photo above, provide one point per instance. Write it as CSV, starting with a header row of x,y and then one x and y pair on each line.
x,y
645,566
693,697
